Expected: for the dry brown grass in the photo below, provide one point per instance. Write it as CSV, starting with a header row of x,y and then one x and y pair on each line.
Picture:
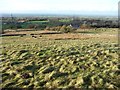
x,y
67,36
30,32
56,36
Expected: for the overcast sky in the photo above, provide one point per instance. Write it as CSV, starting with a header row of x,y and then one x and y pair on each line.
x,y
109,7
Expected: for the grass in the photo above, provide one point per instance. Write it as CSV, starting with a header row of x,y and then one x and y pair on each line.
x,y
38,21
98,31
45,62
64,20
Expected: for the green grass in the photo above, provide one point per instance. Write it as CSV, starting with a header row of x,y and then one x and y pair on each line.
x,y
82,63
64,20
38,21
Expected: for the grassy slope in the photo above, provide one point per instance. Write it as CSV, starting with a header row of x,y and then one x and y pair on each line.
x,y
44,62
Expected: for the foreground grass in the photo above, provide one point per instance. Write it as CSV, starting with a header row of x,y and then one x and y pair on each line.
x,y
81,63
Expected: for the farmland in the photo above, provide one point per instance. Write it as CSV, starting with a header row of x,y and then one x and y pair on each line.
x,y
85,59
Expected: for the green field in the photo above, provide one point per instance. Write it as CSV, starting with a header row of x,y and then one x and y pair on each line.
x,y
29,62
65,20
38,21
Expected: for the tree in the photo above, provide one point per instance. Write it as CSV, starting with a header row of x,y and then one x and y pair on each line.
x,y
67,29
47,28
63,29
36,26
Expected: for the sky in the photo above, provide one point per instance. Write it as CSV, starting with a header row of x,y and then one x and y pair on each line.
x,y
83,7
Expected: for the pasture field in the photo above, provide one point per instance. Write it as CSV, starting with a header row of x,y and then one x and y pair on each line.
x,y
71,60
38,21
65,20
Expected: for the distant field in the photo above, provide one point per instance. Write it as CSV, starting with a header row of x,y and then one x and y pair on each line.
x,y
64,20
81,60
38,21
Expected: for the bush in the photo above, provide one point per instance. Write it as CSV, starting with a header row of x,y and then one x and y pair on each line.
x,y
64,29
